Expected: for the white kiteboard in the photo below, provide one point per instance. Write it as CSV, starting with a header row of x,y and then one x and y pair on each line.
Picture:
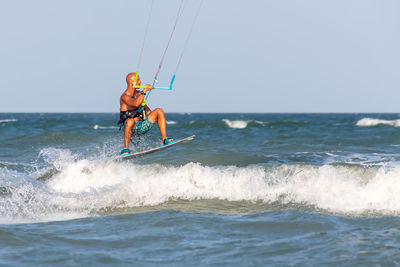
x,y
143,153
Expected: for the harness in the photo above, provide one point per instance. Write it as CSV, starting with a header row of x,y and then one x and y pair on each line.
x,y
124,115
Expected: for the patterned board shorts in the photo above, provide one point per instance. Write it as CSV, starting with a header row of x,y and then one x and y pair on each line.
x,y
143,127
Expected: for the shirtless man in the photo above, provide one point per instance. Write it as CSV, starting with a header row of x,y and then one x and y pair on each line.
x,y
132,118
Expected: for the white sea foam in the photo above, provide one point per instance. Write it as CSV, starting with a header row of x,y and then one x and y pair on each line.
x,y
171,122
8,120
82,187
336,189
375,122
237,124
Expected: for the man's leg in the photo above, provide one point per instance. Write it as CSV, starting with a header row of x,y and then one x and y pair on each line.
x,y
128,131
157,115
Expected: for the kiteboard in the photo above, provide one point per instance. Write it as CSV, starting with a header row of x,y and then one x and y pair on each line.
x,y
146,152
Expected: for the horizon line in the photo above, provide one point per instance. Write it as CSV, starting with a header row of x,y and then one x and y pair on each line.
x,y
229,112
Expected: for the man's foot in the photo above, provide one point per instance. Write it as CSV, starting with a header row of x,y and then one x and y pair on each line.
x,y
168,141
125,152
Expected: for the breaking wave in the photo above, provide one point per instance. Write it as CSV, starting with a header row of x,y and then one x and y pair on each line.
x,y
69,187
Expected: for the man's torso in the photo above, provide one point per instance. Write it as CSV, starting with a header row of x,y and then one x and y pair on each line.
x,y
125,106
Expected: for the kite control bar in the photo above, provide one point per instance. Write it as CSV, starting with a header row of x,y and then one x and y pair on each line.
x,y
155,81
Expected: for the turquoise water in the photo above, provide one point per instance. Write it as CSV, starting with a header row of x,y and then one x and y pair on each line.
x,y
250,189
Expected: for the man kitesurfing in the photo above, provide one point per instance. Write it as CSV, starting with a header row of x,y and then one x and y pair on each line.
x,y
134,113
133,117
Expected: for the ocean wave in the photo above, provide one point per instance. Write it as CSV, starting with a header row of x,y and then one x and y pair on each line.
x,y
82,187
351,190
374,122
236,124
241,124
8,120
97,127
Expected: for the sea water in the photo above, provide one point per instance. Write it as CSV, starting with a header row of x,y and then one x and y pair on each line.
x,y
249,190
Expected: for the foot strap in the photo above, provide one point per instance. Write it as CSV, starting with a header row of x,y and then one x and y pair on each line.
x,y
168,141
125,152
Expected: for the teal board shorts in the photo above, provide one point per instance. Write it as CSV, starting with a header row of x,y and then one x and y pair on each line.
x,y
144,126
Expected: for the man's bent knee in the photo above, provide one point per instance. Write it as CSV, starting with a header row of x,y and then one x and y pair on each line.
x,y
159,110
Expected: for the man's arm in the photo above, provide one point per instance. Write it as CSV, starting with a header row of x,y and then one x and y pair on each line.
x,y
137,99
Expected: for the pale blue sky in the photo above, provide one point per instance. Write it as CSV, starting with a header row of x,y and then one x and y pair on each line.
x,y
244,56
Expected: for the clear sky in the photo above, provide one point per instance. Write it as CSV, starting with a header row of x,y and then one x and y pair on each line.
x,y
244,56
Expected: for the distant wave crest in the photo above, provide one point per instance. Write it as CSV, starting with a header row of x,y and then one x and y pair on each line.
x,y
237,124
97,127
374,122
8,120
241,124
